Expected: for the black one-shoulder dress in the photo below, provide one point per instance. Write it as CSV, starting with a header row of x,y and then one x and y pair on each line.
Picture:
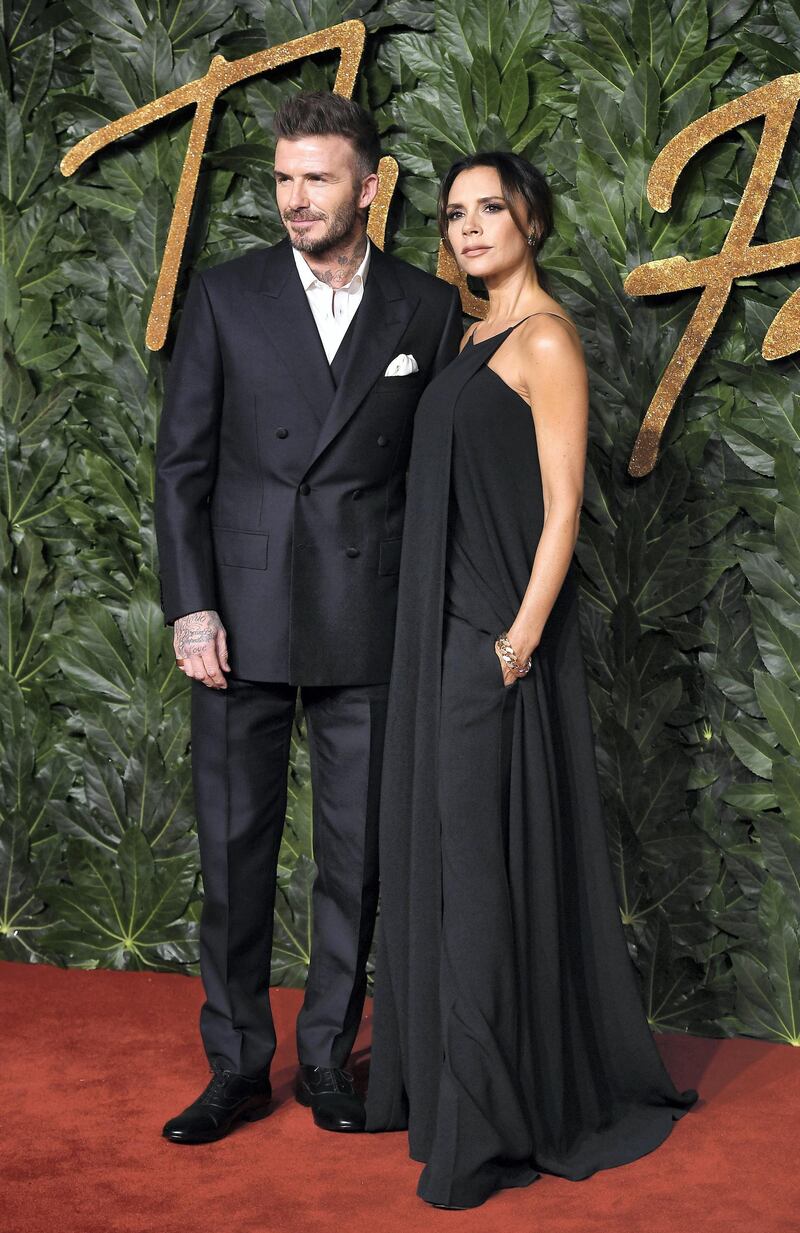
x,y
509,1032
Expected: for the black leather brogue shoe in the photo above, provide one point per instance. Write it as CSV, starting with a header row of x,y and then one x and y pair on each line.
x,y
228,1099
330,1095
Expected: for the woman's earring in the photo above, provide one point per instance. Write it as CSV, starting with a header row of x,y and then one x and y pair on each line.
x,y
531,238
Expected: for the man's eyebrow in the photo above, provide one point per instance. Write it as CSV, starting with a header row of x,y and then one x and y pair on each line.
x,y
452,205
325,174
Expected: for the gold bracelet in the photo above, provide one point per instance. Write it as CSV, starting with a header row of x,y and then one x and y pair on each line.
x,y
509,656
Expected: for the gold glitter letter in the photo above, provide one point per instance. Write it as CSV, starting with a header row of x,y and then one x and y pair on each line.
x,y
349,36
776,102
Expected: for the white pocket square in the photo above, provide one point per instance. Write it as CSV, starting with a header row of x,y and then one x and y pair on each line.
x,y
402,366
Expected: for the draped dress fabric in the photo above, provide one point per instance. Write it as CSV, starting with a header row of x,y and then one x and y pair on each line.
x,y
509,1033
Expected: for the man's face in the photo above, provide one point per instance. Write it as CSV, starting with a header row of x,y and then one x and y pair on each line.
x,y
319,192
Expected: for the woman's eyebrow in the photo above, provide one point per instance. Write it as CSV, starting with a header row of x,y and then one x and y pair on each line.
x,y
451,205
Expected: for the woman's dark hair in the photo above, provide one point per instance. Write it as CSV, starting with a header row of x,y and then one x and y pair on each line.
x,y
316,113
519,180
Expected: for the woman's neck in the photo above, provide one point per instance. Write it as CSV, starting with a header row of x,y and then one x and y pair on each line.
x,y
513,295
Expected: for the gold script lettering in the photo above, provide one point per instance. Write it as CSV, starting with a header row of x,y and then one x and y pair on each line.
x,y
448,269
776,102
349,37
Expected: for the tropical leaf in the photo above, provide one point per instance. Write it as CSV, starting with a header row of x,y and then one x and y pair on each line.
x,y
23,923
781,708
674,992
751,746
768,983
93,654
779,646
780,844
641,102
651,30
123,913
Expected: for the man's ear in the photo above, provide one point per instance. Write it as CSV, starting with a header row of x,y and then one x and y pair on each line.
x,y
369,188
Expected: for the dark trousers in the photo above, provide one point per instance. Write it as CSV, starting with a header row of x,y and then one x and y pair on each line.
x,y
240,755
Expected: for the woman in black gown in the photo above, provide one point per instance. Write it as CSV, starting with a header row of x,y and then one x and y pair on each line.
x,y
509,1032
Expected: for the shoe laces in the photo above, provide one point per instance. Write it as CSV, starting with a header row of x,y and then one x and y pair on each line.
x,y
215,1090
333,1079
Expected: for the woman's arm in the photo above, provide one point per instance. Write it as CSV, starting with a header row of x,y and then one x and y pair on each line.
x,y
552,369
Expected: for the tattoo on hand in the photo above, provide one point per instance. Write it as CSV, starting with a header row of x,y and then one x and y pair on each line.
x,y
195,631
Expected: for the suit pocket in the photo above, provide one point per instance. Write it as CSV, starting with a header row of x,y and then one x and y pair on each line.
x,y
242,549
410,381
389,556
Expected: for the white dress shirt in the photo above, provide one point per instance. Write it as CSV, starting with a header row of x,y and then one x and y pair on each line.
x,y
333,308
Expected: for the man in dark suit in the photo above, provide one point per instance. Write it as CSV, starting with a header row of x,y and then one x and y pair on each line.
x,y
280,495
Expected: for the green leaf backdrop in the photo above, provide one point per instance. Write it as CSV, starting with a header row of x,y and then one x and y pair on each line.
x,y
690,576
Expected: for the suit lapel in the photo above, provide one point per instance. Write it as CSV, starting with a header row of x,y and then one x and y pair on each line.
x,y
382,317
291,333
290,330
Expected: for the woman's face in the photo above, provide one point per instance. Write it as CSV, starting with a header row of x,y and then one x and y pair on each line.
x,y
480,226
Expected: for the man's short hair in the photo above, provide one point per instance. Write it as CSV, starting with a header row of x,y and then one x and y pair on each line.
x,y
317,113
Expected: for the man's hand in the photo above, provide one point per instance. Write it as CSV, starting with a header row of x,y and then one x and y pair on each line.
x,y
201,648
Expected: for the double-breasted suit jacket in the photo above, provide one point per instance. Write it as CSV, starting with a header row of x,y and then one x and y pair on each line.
x,y
280,491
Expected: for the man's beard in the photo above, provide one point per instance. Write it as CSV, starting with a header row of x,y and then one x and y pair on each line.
x,y
340,224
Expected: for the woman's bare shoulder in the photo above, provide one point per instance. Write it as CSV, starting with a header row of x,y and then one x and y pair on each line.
x,y
547,349
548,324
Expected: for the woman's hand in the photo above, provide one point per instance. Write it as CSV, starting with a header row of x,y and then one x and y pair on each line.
x,y
522,647
509,677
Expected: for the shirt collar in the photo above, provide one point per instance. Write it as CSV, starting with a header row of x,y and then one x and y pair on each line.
x,y
309,278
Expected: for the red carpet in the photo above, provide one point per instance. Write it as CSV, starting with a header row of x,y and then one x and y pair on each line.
x,y
96,1061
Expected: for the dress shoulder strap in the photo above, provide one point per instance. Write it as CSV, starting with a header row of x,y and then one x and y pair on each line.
x,y
541,313
502,333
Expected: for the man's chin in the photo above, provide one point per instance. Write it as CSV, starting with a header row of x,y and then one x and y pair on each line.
x,y
305,243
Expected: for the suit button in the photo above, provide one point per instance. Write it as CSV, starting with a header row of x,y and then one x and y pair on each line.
x,y
281,432
383,440
305,489
357,493
352,552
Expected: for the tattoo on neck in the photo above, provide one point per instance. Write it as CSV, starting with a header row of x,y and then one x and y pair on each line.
x,y
344,265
